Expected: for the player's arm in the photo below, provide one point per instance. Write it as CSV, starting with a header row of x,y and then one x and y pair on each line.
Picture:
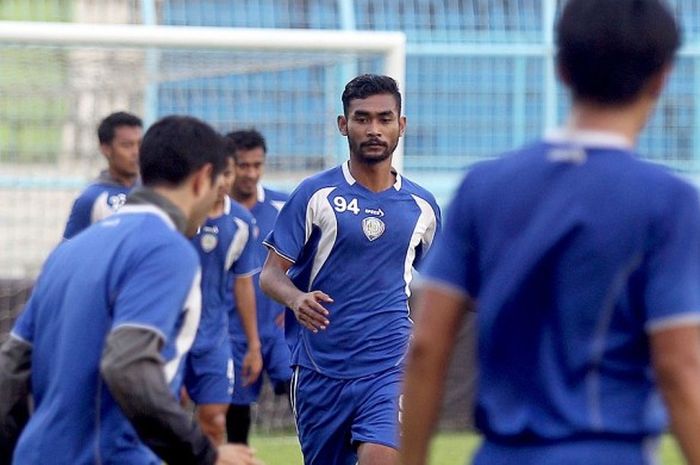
x,y
306,306
15,371
675,355
79,217
438,319
244,293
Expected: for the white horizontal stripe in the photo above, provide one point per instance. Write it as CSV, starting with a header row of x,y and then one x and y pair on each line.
x,y
272,247
250,273
589,138
675,321
14,335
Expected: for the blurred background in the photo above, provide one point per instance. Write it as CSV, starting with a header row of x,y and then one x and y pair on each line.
x,y
479,81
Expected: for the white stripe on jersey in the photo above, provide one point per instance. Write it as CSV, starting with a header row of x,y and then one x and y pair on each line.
x,y
424,232
320,213
240,239
185,338
100,208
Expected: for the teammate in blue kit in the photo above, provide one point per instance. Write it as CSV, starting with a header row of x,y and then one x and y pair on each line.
x,y
264,204
583,263
226,244
341,258
100,344
119,135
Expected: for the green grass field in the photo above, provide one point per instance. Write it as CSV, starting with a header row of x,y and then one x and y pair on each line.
x,y
448,449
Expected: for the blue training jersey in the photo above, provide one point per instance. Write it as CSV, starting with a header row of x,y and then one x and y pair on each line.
x,y
226,247
99,200
574,250
359,247
133,269
265,212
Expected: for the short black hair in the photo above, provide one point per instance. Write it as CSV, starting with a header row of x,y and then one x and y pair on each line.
x,y
608,49
177,146
245,139
366,85
107,127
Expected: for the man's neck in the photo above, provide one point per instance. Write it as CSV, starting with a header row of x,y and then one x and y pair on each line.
x,y
376,177
627,121
218,208
126,181
247,201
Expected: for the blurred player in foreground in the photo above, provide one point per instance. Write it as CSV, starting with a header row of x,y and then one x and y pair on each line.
x,y
264,204
100,343
120,136
226,244
341,258
583,264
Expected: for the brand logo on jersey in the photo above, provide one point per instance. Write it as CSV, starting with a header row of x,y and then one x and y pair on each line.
x,y
116,201
208,242
373,227
371,211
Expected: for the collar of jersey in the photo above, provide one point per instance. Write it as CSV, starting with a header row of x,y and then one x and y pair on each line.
x,y
350,180
261,193
131,209
589,138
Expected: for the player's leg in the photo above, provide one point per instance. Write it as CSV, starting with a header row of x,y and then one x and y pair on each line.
x,y
209,383
323,409
238,418
375,428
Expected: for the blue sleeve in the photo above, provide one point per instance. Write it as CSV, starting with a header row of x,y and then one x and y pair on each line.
x,y
453,262
290,233
80,215
248,262
672,265
154,293
25,323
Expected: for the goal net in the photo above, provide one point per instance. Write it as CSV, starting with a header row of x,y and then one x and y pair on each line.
x,y
60,80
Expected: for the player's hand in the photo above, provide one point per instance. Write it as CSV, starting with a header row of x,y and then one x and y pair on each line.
x,y
309,312
236,454
252,365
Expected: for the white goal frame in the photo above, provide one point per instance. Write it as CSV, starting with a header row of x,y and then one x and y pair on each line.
x,y
391,45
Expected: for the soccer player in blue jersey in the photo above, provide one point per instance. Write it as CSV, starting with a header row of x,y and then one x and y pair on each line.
x,y
341,258
583,264
100,343
226,244
119,135
250,152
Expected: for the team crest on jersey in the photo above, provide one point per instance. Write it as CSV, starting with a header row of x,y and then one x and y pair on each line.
x,y
208,242
373,227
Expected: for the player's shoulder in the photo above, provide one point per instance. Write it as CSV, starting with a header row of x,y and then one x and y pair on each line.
x,y
272,195
236,210
417,191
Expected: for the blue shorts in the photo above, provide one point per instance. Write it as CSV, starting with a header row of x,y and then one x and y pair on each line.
x,y
333,416
209,375
275,354
573,452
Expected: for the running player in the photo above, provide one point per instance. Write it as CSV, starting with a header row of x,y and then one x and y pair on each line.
x,y
226,244
341,258
119,135
264,204
583,264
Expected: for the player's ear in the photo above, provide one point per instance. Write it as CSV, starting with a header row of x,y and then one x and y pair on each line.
x,y
343,125
402,125
656,83
106,151
201,179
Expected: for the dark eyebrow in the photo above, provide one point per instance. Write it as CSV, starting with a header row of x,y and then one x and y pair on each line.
x,y
367,113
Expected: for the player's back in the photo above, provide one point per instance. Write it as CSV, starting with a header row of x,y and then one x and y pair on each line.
x,y
100,199
562,244
76,420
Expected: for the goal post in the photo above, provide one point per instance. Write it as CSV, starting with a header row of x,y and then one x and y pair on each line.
x,y
60,79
